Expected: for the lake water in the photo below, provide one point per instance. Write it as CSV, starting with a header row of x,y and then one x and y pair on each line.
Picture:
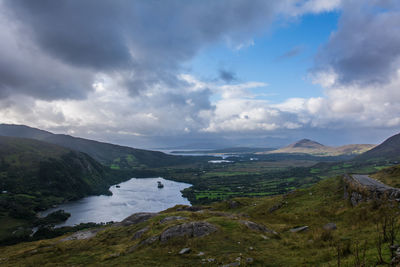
x,y
135,195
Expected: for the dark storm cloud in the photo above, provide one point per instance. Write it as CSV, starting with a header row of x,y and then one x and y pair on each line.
x,y
366,47
227,76
144,41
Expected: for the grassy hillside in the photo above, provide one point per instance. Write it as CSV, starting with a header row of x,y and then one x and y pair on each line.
x,y
355,242
35,175
389,176
389,150
32,166
114,156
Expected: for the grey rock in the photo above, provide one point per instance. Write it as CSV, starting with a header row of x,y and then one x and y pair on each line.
x,y
355,198
299,229
190,229
200,253
257,227
330,226
136,218
172,218
395,247
139,233
80,235
184,251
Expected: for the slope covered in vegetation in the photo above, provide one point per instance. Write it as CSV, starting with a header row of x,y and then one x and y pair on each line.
x,y
35,175
358,238
389,150
114,156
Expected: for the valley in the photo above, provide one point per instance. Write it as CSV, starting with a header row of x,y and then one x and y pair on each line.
x,y
246,184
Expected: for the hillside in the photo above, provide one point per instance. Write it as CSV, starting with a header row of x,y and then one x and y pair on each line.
x,y
389,150
389,176
35,175
250,231
114,156
306,146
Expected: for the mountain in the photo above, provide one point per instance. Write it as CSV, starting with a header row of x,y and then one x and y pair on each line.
x,y
36,175
28,165
389,150
114,156
306,146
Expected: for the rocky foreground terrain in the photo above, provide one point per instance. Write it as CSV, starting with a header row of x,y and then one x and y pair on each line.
x,y
314,226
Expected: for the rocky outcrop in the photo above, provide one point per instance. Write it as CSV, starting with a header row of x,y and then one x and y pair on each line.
x,y
172,218
136,218
80,235
361,188
299,229
257,227
139,233
190,229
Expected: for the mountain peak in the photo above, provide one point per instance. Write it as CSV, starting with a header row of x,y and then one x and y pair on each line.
x,y
306,143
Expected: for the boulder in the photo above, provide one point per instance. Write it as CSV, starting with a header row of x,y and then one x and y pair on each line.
x,y
330,226
80,235
257,227
139,233
190,229
299,229
136,218
172,218
184,251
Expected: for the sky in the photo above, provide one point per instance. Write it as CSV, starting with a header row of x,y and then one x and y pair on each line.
x,y
211,73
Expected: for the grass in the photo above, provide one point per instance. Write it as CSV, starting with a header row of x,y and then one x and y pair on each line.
x,y
315,206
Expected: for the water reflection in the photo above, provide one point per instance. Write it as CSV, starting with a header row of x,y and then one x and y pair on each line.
x,y
135,195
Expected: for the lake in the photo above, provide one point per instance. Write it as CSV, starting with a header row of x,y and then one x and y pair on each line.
x,y
135,195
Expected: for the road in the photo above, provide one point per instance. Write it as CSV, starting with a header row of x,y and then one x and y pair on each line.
x,y
365,180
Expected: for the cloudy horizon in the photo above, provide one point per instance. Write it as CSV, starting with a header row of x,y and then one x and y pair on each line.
x,y
154,74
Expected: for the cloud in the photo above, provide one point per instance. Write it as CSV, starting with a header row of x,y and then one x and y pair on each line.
x,y
108,69
141,43
366,47
227,76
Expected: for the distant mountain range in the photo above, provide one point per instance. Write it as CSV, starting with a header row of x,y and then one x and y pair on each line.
x,y
229,150
306,146
114,156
